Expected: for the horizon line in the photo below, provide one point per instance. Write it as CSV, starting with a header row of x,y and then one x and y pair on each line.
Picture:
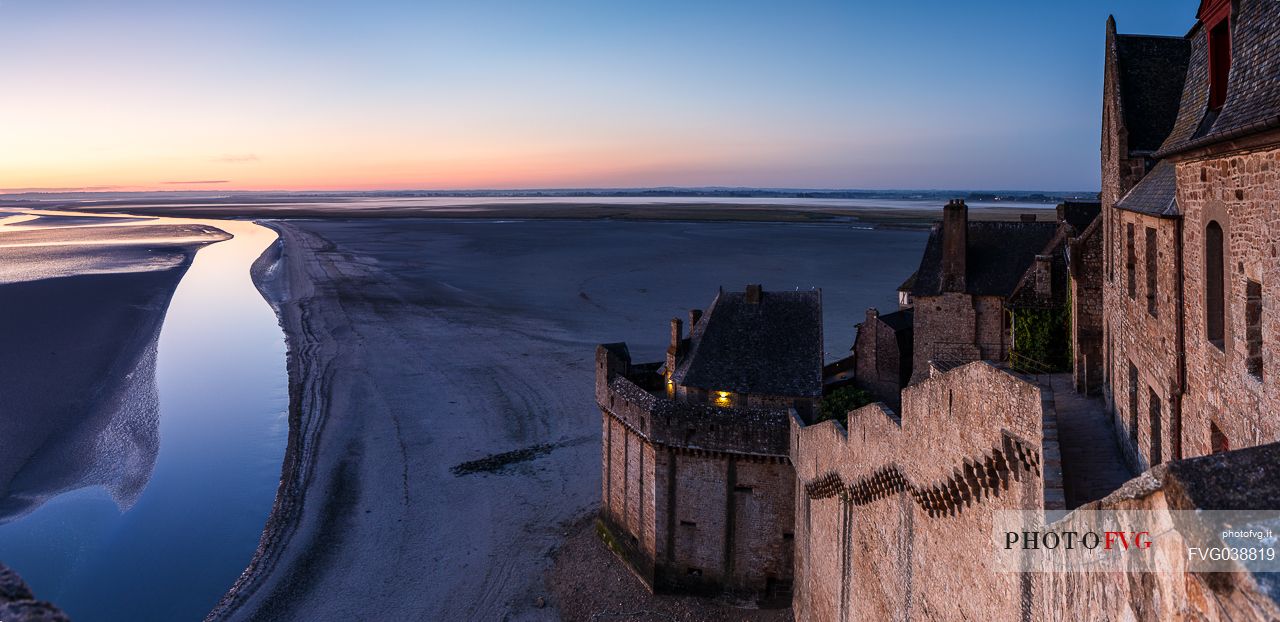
x,y
511,191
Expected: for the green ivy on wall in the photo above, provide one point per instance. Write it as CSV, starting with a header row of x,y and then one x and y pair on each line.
x,y
1042,339
837,404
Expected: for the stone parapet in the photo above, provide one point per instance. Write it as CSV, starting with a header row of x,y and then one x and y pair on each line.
x,y
671,423
886,505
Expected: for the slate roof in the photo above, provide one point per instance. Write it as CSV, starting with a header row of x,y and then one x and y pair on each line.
x,y
773,347
1253,91
908,284
1151,71
1156,194
999,253
898,321
1079,214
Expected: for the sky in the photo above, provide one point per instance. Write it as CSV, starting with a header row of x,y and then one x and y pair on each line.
x,y
398,94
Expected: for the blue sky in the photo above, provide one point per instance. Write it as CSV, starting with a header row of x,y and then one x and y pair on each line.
x,y
257,95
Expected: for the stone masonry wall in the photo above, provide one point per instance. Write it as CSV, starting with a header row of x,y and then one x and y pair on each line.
x,y
958,327
877,359
696,498
884,506
1148,343
1114,592
1121,170
1242,193
1086,283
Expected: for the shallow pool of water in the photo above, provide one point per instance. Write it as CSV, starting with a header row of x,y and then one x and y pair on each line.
x,y
172,550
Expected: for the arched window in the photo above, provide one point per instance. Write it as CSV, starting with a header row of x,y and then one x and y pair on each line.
x,y
1214,284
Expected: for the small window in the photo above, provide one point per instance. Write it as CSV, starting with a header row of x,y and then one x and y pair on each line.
x,y
1111,262
1253,327
1106,369
1217,440
1152,267
1215,289
688,523
743,489
1130,259
1157,436
1214,284
1219,63
1133,403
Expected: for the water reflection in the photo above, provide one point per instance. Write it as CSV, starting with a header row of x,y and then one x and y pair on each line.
x,y
143,467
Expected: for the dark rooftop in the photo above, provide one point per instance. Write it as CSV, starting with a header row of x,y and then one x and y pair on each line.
x,y
908,284
1156,194
1079,214
998,254
1253,93
770,347
1151,71
898,320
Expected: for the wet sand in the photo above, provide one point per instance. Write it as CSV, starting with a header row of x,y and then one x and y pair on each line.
x,y
78,332
442,426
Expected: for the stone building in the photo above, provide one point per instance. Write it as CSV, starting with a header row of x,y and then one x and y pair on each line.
x,y
1191,233
697,485
972,275
1168,297
882,354
1171,313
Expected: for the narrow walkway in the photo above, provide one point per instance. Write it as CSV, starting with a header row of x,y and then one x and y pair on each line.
x,y
1092,463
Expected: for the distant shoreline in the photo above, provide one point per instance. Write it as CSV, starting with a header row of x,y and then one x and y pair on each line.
x,y
703,192
692,211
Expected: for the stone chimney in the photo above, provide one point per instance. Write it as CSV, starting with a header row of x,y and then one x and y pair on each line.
x,y
1044,276
955,236
872,313
694,316
754,293
674,350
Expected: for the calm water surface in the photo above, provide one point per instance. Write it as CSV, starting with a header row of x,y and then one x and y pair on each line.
x,y
220,371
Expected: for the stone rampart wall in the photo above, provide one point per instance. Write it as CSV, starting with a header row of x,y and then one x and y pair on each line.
x,y
890,511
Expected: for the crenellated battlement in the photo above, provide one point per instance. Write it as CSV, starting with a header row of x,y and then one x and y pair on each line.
x,y
886,496
971,481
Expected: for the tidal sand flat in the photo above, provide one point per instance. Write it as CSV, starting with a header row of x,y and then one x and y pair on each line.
x,y
443,433
79,338
140,455
894,212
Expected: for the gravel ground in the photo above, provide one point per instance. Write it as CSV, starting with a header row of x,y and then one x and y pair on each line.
x,y
589,583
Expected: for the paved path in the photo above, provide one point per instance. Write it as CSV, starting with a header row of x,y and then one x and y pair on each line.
x,y
1092,463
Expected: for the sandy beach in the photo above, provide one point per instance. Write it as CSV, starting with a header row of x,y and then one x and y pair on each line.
x,y
443,439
